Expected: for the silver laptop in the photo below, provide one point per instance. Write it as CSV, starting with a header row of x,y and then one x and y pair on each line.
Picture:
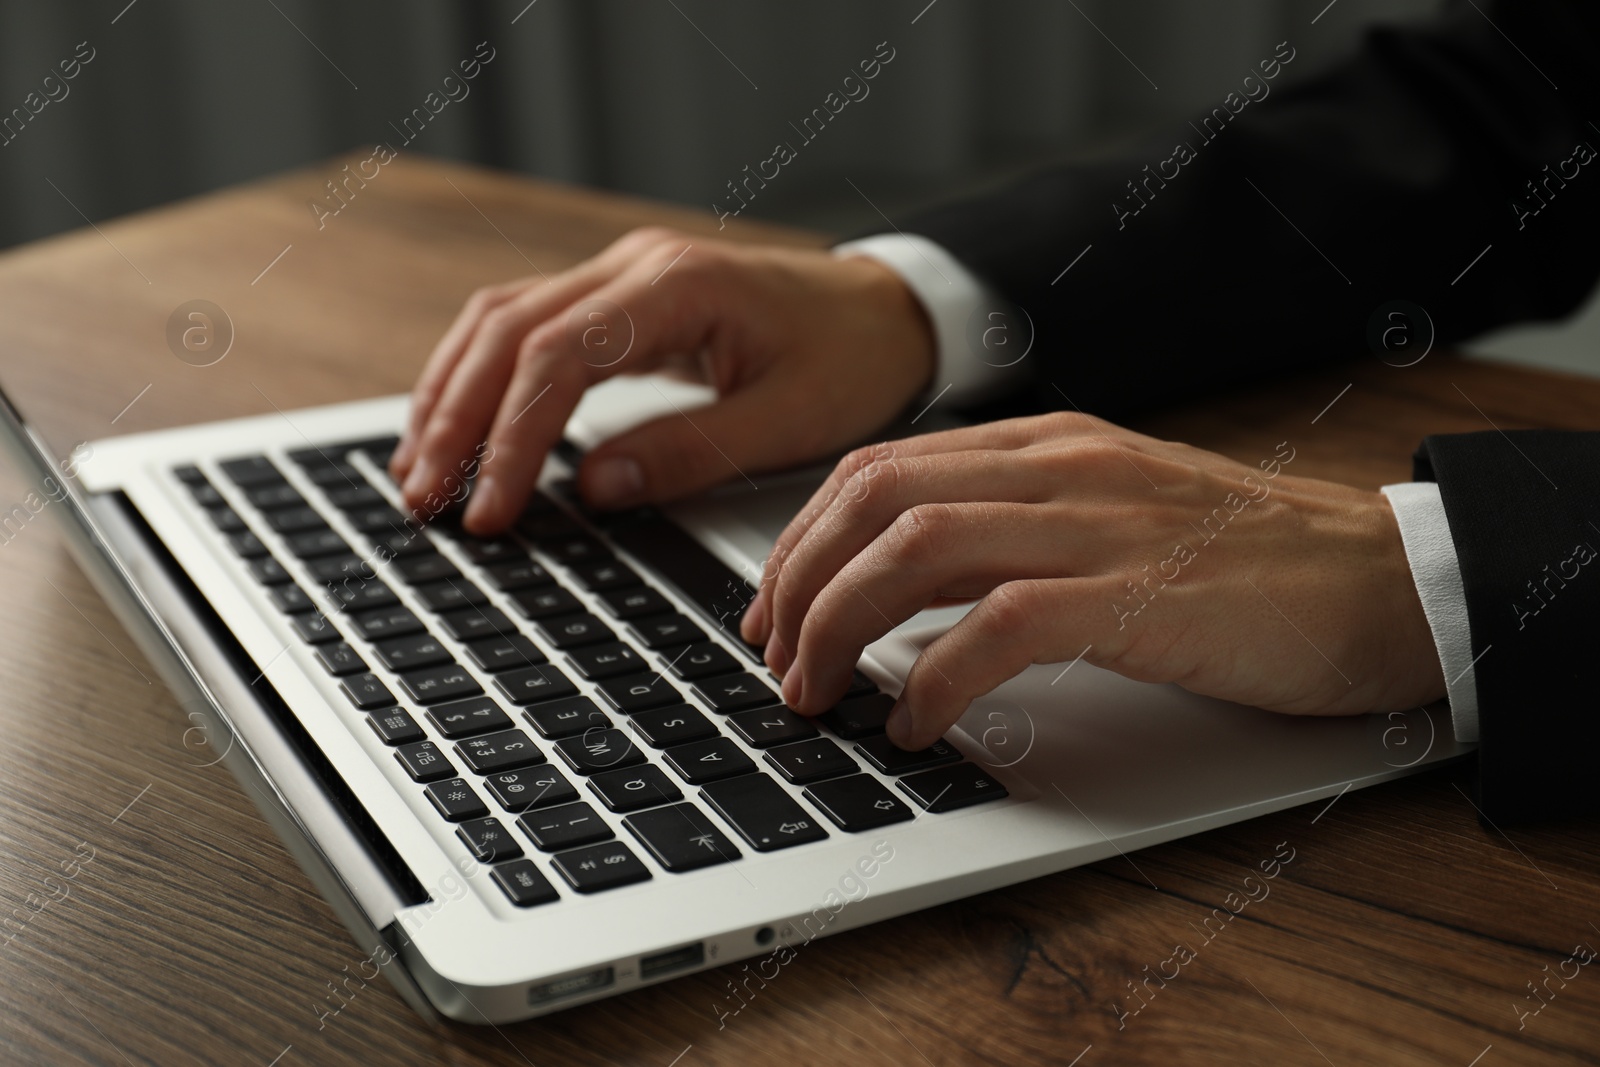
x,y
536,771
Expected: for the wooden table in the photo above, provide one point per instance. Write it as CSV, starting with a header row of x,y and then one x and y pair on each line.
x,y
1404,932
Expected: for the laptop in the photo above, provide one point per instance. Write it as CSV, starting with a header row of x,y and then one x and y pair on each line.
x,y
535,771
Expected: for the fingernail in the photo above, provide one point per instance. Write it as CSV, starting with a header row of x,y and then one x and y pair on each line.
x,y
416,487
899,726
483,503
616,481
402,454
777,656
755,619
794,688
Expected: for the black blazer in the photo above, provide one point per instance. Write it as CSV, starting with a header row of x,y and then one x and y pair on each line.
x,y
1452,165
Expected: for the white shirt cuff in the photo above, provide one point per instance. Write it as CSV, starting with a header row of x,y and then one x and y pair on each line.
x,y
1436,569
977,334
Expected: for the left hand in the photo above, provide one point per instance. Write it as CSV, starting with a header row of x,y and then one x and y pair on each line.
x,y
1159,561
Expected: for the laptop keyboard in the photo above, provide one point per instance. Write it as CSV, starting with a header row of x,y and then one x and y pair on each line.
x,y
591,721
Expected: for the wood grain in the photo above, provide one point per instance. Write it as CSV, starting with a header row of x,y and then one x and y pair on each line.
x,y
1403,932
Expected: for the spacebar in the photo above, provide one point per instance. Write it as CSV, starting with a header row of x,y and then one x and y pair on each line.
x,y
687,566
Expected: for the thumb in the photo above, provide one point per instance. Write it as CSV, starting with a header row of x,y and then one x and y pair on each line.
x,y
684,452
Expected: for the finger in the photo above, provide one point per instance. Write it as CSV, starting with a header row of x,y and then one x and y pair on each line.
x,y
459,420
687,451
1007,434
446,354
931,550
1018,624
679,314
869,502
452,381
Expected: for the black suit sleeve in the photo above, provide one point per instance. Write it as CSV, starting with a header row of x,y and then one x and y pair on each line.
x,y
1524,514
1293,220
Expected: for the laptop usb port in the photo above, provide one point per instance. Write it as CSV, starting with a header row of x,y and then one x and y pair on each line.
x,y
675,960
570,986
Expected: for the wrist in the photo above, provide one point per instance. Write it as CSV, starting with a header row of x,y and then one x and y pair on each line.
x,y
894,303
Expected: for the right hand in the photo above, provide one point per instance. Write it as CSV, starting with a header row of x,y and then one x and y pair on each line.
x,y
808,352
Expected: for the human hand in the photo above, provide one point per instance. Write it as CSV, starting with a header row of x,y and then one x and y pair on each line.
x,y
808,352
1159,561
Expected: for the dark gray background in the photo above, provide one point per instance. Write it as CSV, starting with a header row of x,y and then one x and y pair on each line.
x,y
663,98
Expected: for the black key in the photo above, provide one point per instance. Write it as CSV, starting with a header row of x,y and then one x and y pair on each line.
x,y
313,628
433,684
545,602
858,803
488,840
247,545
470,624
599,867
524,886
681,838
860,685
295,520
606,661
206,495
189,474
355,595
890,759
424,761
533,685
389,622
339,659
567,826
605,574
693,571
735,693
599,750
314,543
250,470
545,526
411,651
455,800
674,725
226,520
279,495
949,788
331,570
638,692
426,567
504,652
517,574
811,761
378,521
856,717
634,603
497,550
269,571
503,751
630,790
574,631
397,544
334,475
771,726
290,599
708,761
763,812
533,787
703,660
566,718
367,693
347,497
665,631
395,726
450,595
573,549
463,718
